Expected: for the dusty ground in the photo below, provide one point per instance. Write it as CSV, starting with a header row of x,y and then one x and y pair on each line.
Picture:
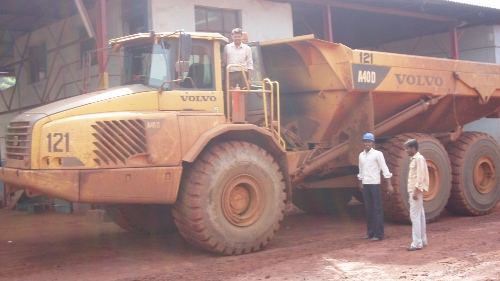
x,y
52,246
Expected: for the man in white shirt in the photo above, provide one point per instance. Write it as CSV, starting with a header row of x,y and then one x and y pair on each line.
x,y
371,163
418,182
238,53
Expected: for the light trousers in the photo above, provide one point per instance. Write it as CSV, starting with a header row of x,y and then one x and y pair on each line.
x,y
417,216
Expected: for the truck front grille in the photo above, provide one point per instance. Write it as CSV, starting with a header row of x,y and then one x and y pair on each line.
x,y
17,141
118,140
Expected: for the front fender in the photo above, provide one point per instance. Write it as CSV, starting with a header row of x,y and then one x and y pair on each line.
x,y
244,132
241,132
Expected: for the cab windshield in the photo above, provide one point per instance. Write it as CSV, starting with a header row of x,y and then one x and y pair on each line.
x,y
154,66
147,65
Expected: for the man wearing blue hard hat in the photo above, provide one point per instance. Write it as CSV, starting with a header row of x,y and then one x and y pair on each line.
x,y
371,163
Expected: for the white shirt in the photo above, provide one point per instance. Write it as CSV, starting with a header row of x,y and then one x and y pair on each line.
x,y
241,55
370,165
418,175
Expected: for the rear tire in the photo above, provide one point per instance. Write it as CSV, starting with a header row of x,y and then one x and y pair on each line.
x,y
232,199
151,219
475,158
396,206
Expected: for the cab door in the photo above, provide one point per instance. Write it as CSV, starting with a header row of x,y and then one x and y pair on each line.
x,y
196,85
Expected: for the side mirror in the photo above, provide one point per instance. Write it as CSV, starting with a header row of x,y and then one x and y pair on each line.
x,y
185,46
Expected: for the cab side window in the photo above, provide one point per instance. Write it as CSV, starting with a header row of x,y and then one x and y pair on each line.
x,y
199,74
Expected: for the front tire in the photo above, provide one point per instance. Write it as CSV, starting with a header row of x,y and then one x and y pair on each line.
x,y
232,199
476,184
396,205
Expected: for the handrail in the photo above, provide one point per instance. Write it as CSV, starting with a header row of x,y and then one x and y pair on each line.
x,y
273,88
168,82
242,72
277,132
264,83
229,92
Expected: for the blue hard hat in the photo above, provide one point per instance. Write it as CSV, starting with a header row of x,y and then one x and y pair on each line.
x,y
368,136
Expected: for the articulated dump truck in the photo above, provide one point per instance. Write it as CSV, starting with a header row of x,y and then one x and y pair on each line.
x,y
175,148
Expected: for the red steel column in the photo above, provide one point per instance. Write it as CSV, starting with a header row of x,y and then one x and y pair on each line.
x,y
327,23
454,42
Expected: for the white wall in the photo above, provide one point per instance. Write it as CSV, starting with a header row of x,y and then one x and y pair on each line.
x,y
262,19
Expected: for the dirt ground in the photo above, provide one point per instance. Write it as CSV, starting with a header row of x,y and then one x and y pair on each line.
x,y
53,246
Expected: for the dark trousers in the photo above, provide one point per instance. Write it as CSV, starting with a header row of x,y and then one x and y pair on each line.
x,y
374,214
236,78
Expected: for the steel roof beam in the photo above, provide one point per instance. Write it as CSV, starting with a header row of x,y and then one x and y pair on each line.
x,y
85,18
372,9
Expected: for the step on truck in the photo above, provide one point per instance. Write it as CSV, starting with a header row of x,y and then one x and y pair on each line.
x,y
174,147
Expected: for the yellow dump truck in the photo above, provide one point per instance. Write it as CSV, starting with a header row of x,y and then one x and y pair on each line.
x,y
175,147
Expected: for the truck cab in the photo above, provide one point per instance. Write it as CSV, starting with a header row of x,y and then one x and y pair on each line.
x,y
135,149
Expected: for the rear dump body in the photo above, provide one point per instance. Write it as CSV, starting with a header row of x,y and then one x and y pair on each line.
x,y
332,94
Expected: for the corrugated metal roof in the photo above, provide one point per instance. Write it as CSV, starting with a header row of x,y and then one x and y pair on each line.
x,y
365,23
487,4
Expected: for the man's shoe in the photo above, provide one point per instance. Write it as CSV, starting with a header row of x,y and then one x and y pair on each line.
x,y
411,248
376,239
366,237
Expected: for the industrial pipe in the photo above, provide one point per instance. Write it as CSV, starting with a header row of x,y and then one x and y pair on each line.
x,y
317,163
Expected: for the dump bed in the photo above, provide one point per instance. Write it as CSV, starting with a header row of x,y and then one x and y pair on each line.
x,y
323,83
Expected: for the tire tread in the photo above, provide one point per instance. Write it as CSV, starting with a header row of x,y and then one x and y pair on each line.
x,y
187,211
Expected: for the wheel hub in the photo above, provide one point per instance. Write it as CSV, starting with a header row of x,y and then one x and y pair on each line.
x,y
239,199
242,200
434,177
484,175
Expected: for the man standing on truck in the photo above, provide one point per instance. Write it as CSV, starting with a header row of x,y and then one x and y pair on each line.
x,y
371,163
418,182
238,53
